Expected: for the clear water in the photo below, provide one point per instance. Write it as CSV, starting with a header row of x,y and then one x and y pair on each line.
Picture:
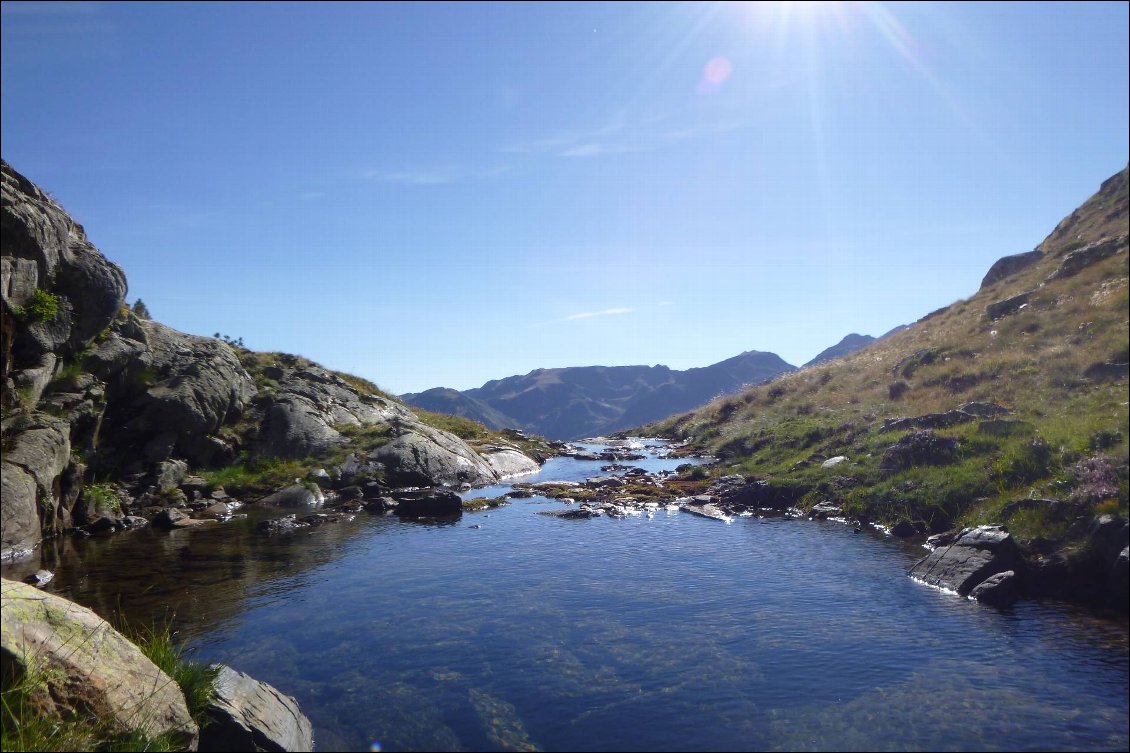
x,y
512,630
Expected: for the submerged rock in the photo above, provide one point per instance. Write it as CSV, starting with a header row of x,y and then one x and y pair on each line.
x,y
429,503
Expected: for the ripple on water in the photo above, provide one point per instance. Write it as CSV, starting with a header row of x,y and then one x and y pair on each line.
x,y
665,633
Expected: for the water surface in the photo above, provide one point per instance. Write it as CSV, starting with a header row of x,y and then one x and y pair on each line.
x,y
512,630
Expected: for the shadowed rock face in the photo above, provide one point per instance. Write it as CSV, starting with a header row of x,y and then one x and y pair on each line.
x,y
45,250
167,391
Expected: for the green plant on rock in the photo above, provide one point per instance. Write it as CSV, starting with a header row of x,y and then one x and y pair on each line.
x,y
102,497
43,307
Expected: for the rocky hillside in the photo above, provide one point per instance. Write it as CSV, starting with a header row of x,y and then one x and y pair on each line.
x,y
174,425
586,401
1009,407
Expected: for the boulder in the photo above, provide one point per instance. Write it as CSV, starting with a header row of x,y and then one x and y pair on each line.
x,y
904,529
430,503
919,448
984,409
170,518
1104,371
309,404
86,667
826,509
508,462
40,578
999,590
971,558
928,421
1001,309
294,427
424,456
250,715
186,386
295,495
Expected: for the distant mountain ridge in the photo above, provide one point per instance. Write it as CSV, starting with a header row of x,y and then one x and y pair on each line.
x,y
582,401
849,344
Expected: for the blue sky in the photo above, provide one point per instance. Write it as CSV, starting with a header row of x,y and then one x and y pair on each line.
x,y
443,194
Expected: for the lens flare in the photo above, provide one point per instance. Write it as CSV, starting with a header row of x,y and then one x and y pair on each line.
x,y
714,74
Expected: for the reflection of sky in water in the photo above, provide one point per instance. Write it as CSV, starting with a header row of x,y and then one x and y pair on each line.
x,y
668,633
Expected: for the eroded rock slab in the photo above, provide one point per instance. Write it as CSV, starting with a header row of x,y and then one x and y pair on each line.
x,y
247,714
970,559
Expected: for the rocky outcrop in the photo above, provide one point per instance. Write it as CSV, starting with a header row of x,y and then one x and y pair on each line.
x,y
85,377
79,665
309,406
1079,259
970,559
168,392
1008,306
423,456
250,715
58,291
1010,265
919,448
36,492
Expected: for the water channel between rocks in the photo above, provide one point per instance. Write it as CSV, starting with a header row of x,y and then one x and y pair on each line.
x,y
511,630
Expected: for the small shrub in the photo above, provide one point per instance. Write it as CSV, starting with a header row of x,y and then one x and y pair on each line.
x,y
1095,480
43,308
698,473
1022,464
101,497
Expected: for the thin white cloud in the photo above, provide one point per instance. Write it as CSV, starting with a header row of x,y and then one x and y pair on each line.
x,y
50,9
620,138
701,130
591,314
596,150
410,177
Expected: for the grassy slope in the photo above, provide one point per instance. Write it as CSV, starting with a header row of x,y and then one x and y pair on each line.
x,y
1032,361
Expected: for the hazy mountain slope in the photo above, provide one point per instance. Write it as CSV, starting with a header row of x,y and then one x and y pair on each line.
x,y
574,402
849,344
456,403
